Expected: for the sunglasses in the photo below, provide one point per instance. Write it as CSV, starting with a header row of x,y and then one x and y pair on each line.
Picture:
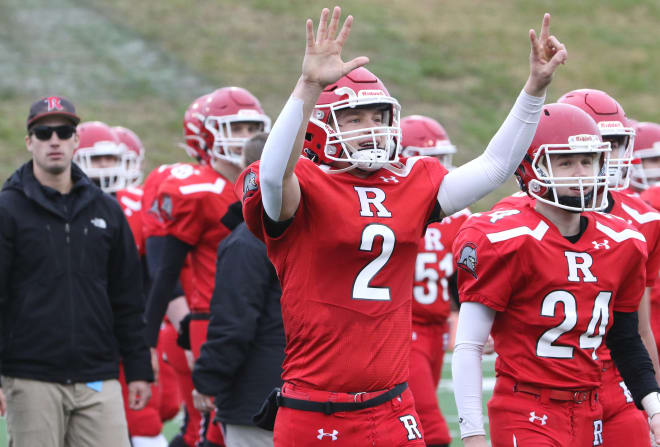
x,y
44,133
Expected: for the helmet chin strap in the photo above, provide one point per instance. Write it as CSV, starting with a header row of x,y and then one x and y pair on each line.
x,y
576,202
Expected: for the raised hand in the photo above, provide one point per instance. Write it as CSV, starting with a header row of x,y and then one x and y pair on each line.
x,y
545,56
322,64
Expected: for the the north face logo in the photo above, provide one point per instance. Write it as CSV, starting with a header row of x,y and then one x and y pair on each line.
x,y
332,435
99,222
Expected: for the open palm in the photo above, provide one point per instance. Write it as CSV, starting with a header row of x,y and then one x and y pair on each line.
x,y
323,64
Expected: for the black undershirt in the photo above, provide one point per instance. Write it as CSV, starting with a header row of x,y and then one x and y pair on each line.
x,y
583,227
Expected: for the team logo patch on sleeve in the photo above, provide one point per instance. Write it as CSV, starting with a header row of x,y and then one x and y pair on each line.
x,y
468,259
166,207
249,184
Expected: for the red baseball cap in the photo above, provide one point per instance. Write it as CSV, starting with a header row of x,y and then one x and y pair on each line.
x,y
52,105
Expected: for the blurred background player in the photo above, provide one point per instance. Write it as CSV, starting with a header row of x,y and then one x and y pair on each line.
x,y
435,284
549,323
647,149
196,212
342,226
241,361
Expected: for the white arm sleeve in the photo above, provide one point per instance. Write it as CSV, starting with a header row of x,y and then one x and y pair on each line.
x,y
276,154
474,323
468,183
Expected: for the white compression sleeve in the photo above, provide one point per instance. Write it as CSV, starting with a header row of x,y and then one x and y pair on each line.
x,y
474,323
276,154
468,183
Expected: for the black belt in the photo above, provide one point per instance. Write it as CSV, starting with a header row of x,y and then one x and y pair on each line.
x,y
200,316
335,407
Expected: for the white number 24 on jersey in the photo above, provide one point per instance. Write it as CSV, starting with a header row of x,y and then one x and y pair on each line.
x,y
590,339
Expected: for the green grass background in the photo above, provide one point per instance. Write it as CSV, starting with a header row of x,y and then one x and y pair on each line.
x,y
140,63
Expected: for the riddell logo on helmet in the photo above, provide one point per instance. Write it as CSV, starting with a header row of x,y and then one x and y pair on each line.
x,y
247,112
584,138
371,93
610,125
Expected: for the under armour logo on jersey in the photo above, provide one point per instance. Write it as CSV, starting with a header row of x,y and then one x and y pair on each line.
x,y
626,391
598,432
332,435
99,222
391,178
605,244
54,103
533,417
410,423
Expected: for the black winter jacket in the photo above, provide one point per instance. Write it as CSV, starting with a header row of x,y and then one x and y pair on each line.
x,y
71,299
241,361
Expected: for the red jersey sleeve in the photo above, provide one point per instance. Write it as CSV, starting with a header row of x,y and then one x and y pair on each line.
x,y
248,191
633,281
483,273
182,215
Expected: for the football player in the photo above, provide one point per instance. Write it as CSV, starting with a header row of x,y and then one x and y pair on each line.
x,y
622,421
435,284
195,205
647,150
342,227
549,323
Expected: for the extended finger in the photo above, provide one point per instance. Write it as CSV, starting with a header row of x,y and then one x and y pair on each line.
x,y
534,43
355,63
545,27
322,31
345,30
309,25
334,22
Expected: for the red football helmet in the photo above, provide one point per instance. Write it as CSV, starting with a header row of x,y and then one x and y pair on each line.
x,y
101,156
229,105
614,127
133,154
197,139
647,150
565,129
325,143
421,135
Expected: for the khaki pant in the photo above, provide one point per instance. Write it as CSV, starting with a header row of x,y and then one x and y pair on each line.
x,y
46,414
247,436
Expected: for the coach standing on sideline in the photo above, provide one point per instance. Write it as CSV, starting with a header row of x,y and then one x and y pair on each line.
x,y
71,302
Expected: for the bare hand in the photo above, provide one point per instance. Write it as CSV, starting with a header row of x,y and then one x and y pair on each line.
x,y
3,403
322,64
655,428
139,393
190,359
489,347
203,402
545,56
475,441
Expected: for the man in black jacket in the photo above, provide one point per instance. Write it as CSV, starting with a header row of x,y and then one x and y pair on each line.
x,y
71,302
241,360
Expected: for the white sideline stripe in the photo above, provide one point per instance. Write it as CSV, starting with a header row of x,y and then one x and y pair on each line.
x,y
537,233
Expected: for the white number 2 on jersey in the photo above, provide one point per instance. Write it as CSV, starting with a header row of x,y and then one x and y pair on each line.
x,y
590,339
361,288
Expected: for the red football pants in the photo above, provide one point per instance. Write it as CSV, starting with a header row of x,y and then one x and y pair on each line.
x,y
176,357
427,353
144,422
170,395
198,329
522,420
394,423
624,424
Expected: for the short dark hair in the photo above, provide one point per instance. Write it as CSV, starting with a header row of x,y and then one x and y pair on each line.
x,y
254,147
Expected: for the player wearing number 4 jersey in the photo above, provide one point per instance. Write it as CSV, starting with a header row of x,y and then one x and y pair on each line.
x,y
548,279
342,230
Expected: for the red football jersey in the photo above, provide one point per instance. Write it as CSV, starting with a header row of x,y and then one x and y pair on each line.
x,y
434,265
192,202
151,222
346,265
130,200
554,299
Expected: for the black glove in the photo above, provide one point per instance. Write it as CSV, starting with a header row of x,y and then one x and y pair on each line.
x,y
183,339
